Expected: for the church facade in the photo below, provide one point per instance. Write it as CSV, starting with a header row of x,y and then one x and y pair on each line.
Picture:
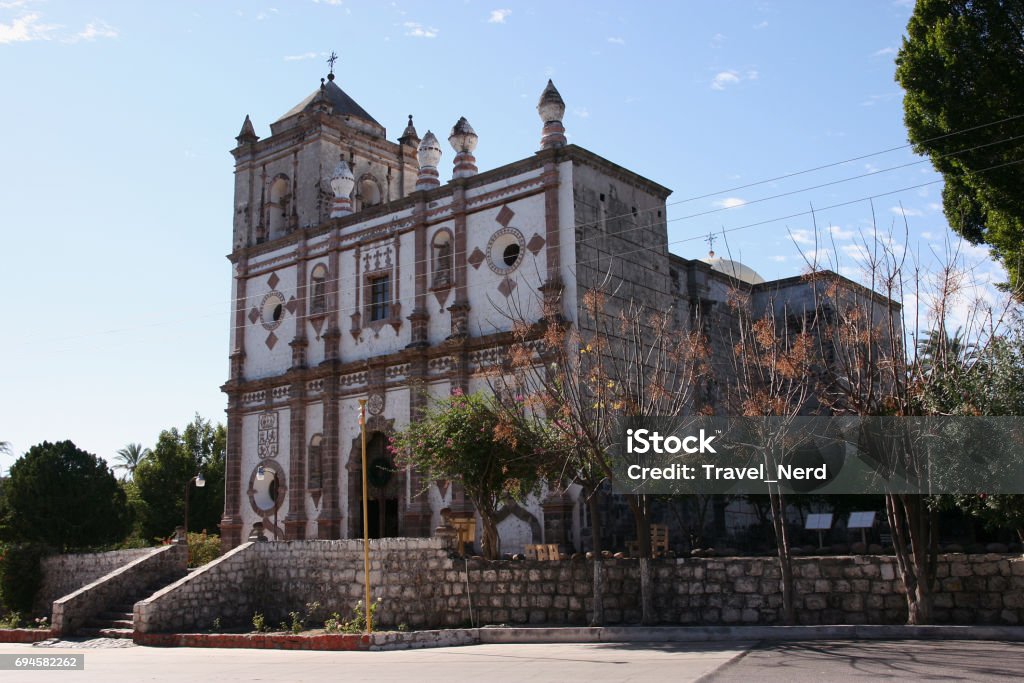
x,y
368,269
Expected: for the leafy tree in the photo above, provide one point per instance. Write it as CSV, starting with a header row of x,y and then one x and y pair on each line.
x,y
161,478
464,438
63,496
129,458
962,67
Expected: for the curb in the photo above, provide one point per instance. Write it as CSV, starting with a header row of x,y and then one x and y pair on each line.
x,y
685,634
24,635
384,640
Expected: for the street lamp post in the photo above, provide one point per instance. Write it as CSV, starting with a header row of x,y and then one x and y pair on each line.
x,y
200,483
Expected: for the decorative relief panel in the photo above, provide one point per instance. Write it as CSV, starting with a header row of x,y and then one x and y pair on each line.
x,y
267,435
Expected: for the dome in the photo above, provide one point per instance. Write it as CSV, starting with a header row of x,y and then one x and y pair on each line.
x,y
734,269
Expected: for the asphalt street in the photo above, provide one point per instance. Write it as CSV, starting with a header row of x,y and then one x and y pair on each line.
x,y
712,661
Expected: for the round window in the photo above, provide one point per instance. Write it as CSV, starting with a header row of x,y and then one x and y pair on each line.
x,y
505,250
272,310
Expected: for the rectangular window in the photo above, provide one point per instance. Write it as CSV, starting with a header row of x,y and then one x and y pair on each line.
x,y
380,298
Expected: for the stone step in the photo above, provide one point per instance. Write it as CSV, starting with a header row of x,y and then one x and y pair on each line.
x,y
115,615
110,623
94,632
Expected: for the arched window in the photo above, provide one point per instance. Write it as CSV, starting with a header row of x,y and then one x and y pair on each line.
x,y
318,290
279,205
441,249
314,478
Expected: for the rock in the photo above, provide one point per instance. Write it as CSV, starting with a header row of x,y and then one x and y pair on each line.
x,y
797,551
697,552
619,556
840,549
953,548
858,548
874,549
997,548
590,555
975,548
710,552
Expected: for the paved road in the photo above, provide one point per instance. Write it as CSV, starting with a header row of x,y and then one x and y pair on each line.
x,y
479,663
907,660
659,662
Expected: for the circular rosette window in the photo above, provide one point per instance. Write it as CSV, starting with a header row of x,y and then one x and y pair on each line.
x,y
272,310
266,488
505,250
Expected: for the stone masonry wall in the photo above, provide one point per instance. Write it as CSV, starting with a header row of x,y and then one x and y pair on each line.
x,y
423,586
64,574
828,590
122,584
415,577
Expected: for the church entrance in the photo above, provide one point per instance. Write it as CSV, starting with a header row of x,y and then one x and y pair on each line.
x,y
384,486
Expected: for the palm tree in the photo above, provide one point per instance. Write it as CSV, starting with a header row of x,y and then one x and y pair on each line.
x,y
129,458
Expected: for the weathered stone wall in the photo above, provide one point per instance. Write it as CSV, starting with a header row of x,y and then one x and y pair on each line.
x,y
123,584
828,590
64,574
417,580
422,586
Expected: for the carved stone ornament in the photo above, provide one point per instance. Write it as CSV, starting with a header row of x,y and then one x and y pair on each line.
x,y
267,435
375,404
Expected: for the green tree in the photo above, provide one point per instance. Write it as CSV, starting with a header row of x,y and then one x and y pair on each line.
x,y
65,497
129,458
161,478
962,67
465,439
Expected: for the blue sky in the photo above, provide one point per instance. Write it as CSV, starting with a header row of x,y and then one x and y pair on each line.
x,y
116,180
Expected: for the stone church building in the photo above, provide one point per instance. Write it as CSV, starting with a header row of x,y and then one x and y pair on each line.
x,y
366,268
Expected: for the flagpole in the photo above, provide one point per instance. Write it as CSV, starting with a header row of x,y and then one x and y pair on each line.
x,y
366,521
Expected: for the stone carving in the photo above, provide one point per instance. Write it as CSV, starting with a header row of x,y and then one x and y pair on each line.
x,y
267,435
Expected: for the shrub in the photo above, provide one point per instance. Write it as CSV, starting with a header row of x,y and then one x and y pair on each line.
x,y
21,575
202,548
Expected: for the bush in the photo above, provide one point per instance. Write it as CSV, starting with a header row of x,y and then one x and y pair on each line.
x,y
21,575
202,548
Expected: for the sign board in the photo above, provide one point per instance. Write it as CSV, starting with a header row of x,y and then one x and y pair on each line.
x,y
861,520
819,522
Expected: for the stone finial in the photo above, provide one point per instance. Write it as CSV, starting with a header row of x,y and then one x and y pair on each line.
x,y
463,140
428,154
248,133
342,182
551,109
409,136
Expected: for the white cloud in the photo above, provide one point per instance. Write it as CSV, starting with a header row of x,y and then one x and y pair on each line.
x,y
840,234
779,258
24,29
730,202
329,2
417,30
905,212
94,30
581,112
615,40
927,235
724,79
934,206
498,16
802,236
763,24
296,58
885,51
717,39
752,75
